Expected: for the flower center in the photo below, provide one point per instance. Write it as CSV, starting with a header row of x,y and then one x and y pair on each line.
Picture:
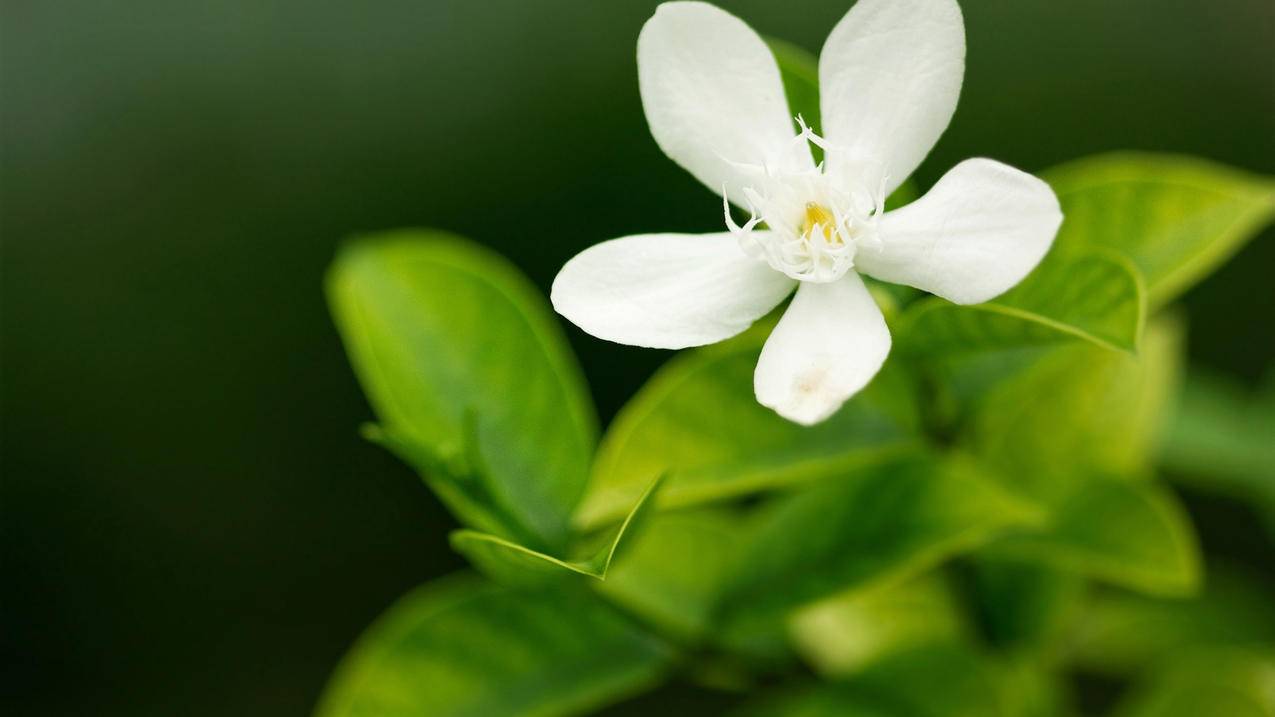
x,y
814,224
820,223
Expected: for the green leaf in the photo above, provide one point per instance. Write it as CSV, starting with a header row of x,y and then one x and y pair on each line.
x,y
844,634
1023,606
1209,683
1219,441
1077,410
515,564
671,573
1177,218
464,364
467,648
1122,633
1127,533
885,523
698,420
1089,294
946,680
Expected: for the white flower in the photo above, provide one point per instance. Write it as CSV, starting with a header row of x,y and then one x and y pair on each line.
x,y
890,74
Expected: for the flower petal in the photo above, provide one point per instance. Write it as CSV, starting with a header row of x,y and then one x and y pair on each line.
x,y
667,291
830,342
889,74
713,96
981,229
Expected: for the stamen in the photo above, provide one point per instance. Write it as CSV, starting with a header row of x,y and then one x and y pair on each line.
x,y
815,226
820,220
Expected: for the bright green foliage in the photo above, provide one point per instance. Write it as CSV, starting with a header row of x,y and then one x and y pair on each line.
x,y
1177,218
1019,437
1090,294
516,564
674,425
1209,683
470,375
882,523
672,572
466,648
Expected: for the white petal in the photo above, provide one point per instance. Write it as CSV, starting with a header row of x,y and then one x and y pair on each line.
x,y
889,75
667,291
981,229
831,341
713,96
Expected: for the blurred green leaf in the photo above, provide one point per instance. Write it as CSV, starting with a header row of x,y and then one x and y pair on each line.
x,y
466,647
1220,440
945,680
1023,606
1069,431
825,700
1208,683
1132,534
844,634
698,420
1121,633
1089,294
515,564
1177,218
1076,410
885,523
463,363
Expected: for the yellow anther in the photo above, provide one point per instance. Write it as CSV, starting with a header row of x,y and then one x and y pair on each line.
x,y
818,215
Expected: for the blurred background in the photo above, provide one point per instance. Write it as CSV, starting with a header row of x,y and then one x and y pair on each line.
x,y
191,524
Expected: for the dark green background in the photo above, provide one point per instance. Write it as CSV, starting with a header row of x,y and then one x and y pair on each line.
x,y
190,523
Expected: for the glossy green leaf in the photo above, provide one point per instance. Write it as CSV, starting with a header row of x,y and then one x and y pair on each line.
x,y
1089,294
879,524
1209,683
464,364
1219,441
698,420
515,564
1127,533
671,573
844,634
463,647
1177,218
1121,633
